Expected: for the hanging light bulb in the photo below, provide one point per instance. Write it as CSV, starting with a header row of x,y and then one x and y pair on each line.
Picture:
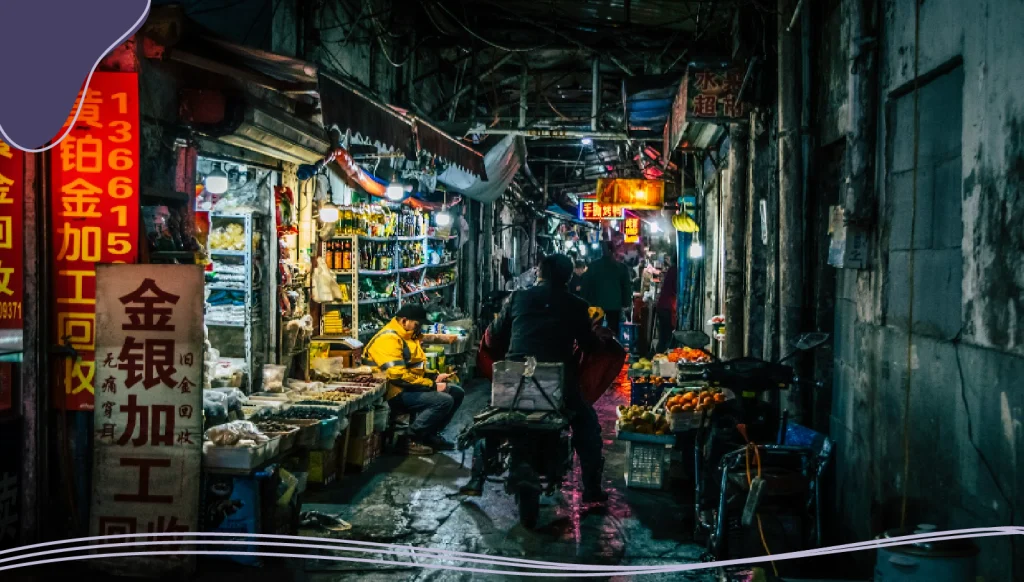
x,y
595,245
696,251
395,192
442,218
216,182
329,213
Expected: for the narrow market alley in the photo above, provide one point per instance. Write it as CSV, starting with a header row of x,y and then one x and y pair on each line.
x,y
459,290
415,501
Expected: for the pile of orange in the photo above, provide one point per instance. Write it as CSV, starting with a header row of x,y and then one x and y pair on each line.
x,y
694,401
688,355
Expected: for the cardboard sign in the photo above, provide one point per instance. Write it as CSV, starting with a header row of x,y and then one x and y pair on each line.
x,y
95,177
12,170
148,419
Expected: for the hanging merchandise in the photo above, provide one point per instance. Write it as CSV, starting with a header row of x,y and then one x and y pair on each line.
x,y
285,205
325,287
683,223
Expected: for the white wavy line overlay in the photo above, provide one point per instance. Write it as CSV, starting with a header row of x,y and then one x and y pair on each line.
x,y
17,555
134,28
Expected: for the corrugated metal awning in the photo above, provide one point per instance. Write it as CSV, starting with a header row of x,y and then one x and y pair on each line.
x,y
348,108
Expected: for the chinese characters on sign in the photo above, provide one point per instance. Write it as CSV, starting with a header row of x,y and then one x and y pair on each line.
x,y
631,230
12,170
590,209
149,343
712,94
95,214
633,194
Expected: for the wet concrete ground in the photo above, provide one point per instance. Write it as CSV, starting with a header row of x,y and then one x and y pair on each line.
x,y
414,501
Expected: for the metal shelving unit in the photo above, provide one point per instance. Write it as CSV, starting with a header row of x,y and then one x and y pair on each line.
x,y
250,295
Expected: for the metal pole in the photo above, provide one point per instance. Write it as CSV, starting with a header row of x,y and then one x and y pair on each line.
x,y
34,379
790,195
595,98
734,212
555,132
524,83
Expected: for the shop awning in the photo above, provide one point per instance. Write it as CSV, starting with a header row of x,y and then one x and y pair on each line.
x,y
349,108
501,164
170,35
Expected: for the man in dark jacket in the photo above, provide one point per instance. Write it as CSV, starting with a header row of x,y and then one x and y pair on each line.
x,y
576,283
546,322
608,284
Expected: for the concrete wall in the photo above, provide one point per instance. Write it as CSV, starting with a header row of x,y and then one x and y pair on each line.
x,y
966,362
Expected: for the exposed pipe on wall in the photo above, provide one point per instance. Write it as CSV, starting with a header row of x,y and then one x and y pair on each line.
x,y
790,193
734,196
595,98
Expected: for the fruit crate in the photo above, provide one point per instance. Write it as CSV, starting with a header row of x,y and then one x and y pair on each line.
x,y
646,465
643,393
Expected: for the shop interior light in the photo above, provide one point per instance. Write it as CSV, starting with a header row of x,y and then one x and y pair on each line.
x,y
696,251
329,213
595,246
216,182
443,218
653,226
395,191
587,141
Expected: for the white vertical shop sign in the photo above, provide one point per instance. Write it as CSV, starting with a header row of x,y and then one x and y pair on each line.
x,y
148,418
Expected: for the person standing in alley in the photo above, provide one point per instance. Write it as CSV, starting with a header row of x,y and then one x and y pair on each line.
x,y
396,351
576,283
666,305
547,322
608,284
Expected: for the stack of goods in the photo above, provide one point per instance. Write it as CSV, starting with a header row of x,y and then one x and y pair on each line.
x,y
687,408
641,420
225,308
237,445
228,276
333,323
687,356
376,288
228,238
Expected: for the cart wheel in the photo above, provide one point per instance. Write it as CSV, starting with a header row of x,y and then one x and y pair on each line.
x,y
528,500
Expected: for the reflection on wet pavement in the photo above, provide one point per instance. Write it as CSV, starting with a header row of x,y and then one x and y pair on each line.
x,y
413,501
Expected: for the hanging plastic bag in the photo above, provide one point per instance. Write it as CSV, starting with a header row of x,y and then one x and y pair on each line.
x,y
325,287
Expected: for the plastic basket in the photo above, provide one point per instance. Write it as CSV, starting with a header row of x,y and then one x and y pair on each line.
x,y
646,465
645,393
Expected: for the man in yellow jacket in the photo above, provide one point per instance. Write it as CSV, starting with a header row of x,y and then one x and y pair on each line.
x,y
396,351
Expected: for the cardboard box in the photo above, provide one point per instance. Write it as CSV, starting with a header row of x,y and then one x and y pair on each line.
x,y
322,466
361,424
507,377
362,451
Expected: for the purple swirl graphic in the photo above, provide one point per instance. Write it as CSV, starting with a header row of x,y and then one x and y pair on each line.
x,y
49,47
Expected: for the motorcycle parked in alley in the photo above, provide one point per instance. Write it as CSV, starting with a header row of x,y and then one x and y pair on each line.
x,y
525,433
528,439
749,456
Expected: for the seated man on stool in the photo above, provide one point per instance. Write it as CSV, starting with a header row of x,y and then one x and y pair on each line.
x,y
396,350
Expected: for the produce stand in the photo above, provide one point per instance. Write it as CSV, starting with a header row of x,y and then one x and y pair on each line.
x,y
310,432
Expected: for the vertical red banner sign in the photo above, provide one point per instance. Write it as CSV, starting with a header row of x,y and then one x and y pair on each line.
x,y
12,171
95,184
